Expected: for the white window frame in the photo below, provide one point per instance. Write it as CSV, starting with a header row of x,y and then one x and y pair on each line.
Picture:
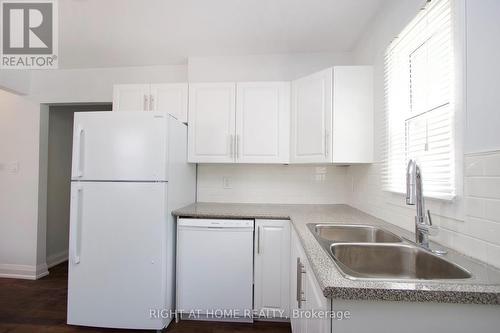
x,y
458,103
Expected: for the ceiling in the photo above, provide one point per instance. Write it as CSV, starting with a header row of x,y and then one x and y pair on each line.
x,y
110,33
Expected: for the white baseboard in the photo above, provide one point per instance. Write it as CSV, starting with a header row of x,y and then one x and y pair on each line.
x,y
57,258
28,272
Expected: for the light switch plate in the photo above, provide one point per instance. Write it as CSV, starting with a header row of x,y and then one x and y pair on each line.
x,y
12,167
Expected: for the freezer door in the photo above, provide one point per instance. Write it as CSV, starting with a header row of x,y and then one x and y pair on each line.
x,y
117,263
128,146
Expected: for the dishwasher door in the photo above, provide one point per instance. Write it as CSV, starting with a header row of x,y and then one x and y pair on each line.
x,y
215,269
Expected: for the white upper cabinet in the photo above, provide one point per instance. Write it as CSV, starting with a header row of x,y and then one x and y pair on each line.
x,y
272,267
262,122
168,97
171,98
211,129
239,122
352,114
325,117
332,116
130,97
312,118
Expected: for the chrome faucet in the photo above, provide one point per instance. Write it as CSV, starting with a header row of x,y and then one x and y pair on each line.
x,y
415,196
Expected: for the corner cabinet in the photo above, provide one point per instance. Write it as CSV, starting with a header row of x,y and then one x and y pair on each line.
x,y
239,122
306,296
271,268
168,97
332,116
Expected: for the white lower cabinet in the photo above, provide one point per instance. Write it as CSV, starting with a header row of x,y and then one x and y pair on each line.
x,y
271,268
306,297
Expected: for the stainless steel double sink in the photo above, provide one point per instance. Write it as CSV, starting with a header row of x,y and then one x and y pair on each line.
x,y
369,252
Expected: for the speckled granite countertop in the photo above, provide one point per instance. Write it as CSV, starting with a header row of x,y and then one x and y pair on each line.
x,y
482,288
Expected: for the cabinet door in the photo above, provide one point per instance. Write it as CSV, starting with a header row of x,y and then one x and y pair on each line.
x,y
272,270
315,302
312,118
303,286
353,114
171,98
262,122
211,122
131,97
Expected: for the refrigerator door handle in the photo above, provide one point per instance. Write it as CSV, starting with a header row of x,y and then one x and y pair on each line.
x,y
145,103
75,246
80,144
151,102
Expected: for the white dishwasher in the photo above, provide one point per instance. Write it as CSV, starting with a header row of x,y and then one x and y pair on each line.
x,y
215,269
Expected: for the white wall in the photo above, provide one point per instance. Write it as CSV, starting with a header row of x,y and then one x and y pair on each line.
x,y
272,67
15,81
483,73
96,85
19,143
283,184
460,227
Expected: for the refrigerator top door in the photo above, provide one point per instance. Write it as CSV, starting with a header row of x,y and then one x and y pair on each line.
x,y
120,146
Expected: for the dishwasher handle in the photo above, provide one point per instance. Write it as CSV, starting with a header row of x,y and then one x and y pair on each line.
x,y
214,224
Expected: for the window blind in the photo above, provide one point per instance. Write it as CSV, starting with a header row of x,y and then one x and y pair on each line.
x,y
419,110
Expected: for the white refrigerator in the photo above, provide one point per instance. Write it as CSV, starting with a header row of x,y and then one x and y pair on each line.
x,y
129,171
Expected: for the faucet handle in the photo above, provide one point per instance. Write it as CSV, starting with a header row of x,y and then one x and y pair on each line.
x,y
429,228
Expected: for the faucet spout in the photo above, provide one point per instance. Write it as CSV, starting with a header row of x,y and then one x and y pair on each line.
x,y
410,182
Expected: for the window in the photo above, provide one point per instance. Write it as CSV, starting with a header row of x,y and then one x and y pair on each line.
x,y
419,107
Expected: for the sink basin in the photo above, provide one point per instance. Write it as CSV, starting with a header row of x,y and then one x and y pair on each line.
x,y
393,261
352,233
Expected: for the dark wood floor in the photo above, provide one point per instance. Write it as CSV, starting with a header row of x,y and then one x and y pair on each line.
x,y
40,306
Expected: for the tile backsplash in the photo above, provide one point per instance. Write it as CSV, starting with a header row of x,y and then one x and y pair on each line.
x,y
285,184
482,203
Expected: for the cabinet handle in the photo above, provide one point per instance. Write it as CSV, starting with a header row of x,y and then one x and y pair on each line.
x,y
151,102
258,240
327,136
300,293
145,103
231,146
237,144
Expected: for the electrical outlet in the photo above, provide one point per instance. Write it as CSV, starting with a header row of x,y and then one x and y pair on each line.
x,y
227,183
